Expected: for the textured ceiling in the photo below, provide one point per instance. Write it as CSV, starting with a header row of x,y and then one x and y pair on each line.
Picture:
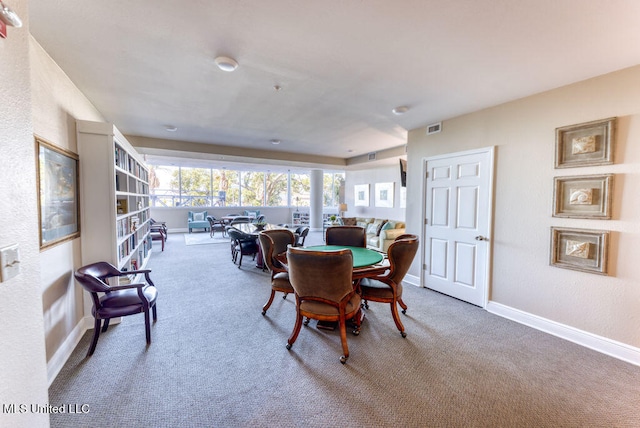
x,y
342,65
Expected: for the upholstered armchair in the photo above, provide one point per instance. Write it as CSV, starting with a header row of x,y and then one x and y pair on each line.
x,y
197,220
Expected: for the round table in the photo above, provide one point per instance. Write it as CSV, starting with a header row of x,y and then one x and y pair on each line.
x,y
361,256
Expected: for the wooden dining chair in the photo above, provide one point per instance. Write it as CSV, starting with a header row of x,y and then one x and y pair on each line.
x,y
387,288
272,243
351,236
322,281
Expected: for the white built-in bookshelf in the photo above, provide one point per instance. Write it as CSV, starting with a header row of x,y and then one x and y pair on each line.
x,y
114,196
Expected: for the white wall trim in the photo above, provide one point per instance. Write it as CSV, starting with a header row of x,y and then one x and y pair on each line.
x,y
59,359
412,279
601,344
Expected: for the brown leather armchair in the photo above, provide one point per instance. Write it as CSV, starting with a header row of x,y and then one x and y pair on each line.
x,y
351,236
322,281
117,301
275,242
387,288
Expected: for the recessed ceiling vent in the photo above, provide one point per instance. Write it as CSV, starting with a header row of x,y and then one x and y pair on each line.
x,y
434,128
372,156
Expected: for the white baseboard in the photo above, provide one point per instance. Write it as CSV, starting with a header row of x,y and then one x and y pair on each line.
x,y
59,359
412,279
600,344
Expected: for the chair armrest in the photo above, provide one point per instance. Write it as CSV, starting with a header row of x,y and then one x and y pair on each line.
x,y
391,233
126,287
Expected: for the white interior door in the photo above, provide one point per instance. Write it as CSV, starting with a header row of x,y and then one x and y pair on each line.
x,y
457,224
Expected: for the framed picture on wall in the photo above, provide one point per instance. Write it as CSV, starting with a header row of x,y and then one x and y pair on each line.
x,y
361,195
585,196
585,144
580,249
58,205
384,195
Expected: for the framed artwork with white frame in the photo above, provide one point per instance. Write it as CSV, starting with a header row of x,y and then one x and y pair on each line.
x,y
361,195
384,195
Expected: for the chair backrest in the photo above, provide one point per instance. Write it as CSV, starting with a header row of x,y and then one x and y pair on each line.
x,y
352,236
240,219
301,238
406,236
320,274
236,234
401,253
91,277
282,238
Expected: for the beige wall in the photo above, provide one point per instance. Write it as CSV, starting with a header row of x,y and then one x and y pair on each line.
x,y
23,376
523,132
380,174
57,103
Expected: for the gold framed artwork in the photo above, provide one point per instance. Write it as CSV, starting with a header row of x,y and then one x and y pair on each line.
x,y
58,193
586,196
585,144
580,249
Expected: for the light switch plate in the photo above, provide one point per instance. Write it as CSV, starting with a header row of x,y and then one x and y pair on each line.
x,y
9,262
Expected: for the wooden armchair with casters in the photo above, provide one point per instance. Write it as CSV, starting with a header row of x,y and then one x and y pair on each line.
x,y
324,291
387,288
117,301
351,236
275,242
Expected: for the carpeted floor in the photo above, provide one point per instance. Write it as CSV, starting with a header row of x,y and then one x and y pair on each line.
x,y
203,238
215,361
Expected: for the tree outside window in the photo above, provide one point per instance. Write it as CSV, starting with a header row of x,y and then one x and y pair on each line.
x,y
300,190
195,187
276,189
162,189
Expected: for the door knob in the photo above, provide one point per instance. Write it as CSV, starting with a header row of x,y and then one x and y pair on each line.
x,y
481,238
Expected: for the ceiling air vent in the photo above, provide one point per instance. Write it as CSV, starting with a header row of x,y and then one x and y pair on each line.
x,y
372,156
434,128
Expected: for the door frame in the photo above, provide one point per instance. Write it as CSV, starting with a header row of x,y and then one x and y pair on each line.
x,y
423,230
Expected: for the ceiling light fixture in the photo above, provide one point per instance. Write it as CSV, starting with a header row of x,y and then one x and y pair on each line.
x,y
171,128
275,142
400,110
225,63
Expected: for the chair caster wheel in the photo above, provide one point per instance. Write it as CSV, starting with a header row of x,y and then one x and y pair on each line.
x,y
343,359
356,332
403,334
288,346
264,313
306,322
404,311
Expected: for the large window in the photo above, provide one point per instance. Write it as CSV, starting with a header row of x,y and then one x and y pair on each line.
x,y
195,187
172,186
300,190
164,192
333,189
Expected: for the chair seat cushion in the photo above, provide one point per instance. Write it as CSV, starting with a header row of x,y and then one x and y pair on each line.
x,y
314,307
124,302
372,288
281,282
